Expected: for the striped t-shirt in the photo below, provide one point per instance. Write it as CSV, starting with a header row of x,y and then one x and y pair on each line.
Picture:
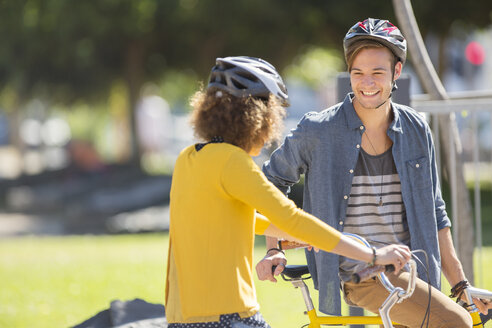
x,y
375,207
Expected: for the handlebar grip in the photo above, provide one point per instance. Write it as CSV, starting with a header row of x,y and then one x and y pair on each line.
x,y
371,271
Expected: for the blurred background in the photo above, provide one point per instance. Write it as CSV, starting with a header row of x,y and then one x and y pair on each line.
x,y
94,101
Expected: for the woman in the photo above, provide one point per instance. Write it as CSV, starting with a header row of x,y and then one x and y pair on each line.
x,y
216,191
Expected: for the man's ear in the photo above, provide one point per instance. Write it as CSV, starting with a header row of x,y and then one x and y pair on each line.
x,y
398,68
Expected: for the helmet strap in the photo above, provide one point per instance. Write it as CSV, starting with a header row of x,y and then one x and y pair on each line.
x,y
384,102
393,88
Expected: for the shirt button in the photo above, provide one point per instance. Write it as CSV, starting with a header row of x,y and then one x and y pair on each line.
x,y
341,222
345,197
351,171
417,165
358,146
362,127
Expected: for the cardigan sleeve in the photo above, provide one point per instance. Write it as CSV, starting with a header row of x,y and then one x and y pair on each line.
x,y
261,224
243,180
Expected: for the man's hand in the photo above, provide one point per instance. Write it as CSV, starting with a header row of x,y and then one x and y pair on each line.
x,y
482,305
264,267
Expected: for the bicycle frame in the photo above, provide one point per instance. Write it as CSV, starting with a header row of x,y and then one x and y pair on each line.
x,y
397,295
316,321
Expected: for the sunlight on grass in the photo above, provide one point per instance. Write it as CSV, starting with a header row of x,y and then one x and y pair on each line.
x,y
62,281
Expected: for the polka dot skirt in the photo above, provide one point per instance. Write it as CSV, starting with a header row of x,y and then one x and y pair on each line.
x,y
227,321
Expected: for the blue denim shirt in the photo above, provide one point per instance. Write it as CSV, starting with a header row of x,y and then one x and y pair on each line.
x,y
325,147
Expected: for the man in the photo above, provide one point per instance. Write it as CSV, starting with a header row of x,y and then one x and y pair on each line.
x,y
370,169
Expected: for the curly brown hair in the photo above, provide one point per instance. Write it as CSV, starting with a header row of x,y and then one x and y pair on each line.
x,y
244,122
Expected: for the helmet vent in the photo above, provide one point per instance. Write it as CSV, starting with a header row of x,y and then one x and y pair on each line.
x,y
282,88
238,84
214,77
266,70
226,66
247,75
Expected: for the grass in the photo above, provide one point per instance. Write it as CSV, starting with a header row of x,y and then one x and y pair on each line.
x,y
486,207
62,281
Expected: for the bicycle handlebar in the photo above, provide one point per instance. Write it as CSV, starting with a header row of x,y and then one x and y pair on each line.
x,y
470,293
371,272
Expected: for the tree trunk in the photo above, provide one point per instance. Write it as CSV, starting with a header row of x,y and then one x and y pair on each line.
x,y
442,55
134,78
463,222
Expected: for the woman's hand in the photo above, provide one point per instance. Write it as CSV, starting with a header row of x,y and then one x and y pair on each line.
x,y
264,267
398,255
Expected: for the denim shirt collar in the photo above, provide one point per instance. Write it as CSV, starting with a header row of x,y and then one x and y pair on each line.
x,y
354,122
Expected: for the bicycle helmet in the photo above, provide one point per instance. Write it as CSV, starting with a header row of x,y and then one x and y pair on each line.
x,y
244,76
380,30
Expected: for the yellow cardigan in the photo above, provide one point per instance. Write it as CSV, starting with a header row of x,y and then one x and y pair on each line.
x,y
214,195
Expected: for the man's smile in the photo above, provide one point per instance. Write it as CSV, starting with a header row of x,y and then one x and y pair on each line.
x,y
369,93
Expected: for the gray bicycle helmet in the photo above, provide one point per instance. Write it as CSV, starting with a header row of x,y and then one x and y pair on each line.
x,y
380,30
243,76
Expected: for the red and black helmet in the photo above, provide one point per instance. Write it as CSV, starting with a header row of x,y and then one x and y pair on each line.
x,y
380,30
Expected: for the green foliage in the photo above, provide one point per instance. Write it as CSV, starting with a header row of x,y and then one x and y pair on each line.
x,y
177,86
486,206
486,213
66,50
80,115
315,66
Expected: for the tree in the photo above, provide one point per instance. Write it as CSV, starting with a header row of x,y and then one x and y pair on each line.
x,y
64,50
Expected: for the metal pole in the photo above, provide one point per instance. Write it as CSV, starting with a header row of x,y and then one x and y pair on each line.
x,y
454,188
437,144
478,210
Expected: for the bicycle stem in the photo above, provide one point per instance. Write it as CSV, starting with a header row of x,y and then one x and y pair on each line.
x,y
411,282
397,294
385,308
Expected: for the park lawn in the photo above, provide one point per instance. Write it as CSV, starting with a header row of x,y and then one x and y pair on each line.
x,y
62,281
